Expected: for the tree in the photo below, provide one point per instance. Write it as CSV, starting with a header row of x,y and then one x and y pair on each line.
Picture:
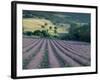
x,y
46,24
80,33
73,32
44,33
84,33
42,26
50,27
37,33
55,30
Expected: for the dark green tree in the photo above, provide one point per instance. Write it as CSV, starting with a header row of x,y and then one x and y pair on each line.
x,y
37,33
50,27
55,30
43,26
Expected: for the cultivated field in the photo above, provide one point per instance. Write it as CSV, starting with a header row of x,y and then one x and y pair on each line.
x,y
49,53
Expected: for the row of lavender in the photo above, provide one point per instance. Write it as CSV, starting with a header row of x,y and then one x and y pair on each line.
x,y
48,53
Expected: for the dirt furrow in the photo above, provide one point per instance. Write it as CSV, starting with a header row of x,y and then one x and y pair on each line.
x,y
75,57
73,50
69,61
28,48
84,50
28,42
35,62
33,51
52,58
77,49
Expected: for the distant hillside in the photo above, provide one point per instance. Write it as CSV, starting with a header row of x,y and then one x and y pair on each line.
x,y
33,24
58,17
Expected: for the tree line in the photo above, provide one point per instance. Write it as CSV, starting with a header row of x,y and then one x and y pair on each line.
x,y
76,32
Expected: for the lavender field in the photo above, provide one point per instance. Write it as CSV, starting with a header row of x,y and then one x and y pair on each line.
x,y
55,39
53,53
